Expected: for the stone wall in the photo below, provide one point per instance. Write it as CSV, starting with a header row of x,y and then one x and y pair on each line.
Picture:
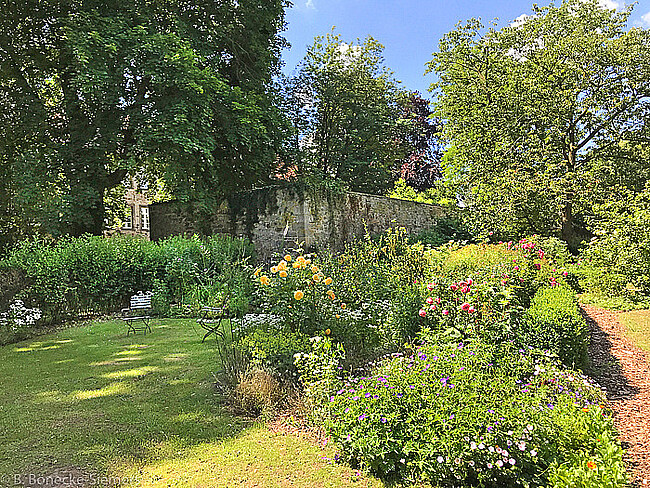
x,y
276,218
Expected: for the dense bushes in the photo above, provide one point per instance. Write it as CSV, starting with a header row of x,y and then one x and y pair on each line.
x,y
621,247
554,322
481,400
487,415
75,276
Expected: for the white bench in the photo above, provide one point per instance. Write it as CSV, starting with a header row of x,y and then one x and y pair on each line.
x,y
137,312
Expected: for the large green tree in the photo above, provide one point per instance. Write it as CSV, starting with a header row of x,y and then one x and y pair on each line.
x,y
347,111
93,91
541,112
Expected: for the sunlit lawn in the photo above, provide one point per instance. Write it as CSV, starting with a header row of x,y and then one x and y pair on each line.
x,y
637,323
141,407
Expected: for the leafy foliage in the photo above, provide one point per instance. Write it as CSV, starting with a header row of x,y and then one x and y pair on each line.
x,y
554,322
487,415
422,166
93,274
93,92
539,112
619,255
346,109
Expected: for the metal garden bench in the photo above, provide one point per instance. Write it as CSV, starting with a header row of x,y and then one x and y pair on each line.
x,y
135,316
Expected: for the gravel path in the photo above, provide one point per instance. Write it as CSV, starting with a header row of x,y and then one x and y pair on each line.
x,y
623,369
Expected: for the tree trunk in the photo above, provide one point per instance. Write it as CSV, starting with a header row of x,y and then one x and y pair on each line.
x,y
568,229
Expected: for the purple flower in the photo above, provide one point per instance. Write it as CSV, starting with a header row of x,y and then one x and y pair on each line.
x,y
362,416
383,420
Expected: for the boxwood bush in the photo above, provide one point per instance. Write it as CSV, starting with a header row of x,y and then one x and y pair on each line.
x,y
554,322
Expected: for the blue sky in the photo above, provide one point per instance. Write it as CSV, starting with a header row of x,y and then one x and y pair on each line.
x,y
409,29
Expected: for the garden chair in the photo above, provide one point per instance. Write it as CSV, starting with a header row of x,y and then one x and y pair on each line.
x,y
135,315
211,318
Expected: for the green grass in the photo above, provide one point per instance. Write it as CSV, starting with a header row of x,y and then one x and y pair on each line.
x,y
637,324
144,408
629,302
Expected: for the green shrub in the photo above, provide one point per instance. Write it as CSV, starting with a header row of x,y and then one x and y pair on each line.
x,y
523,266
445,230
467,309
90,275
273,349
380,280
554,322
474,413
619,254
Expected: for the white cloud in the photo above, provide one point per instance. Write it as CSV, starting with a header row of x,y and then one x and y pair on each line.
x,y
520,20
310,5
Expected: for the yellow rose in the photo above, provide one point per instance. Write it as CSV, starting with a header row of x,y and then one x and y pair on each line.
x,y
338,316
343,305
316,278
328,332
264,280
298,294
274,269
314,269
330,294
282,265
283,274
296,265
300,259
287,257
307,261
257,272
328,281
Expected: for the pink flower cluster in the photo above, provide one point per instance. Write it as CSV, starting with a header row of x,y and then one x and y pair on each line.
x,y
433,303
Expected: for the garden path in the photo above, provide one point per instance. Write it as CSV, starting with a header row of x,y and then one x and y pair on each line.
x,y
623,370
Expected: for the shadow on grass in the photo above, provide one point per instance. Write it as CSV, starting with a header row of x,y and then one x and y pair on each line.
x,y
93,398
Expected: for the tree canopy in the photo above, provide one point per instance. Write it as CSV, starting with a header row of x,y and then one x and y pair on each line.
x,y
94,91
348,114
543,111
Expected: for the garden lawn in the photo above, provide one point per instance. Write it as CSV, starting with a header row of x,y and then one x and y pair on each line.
x,y
91,401
637,323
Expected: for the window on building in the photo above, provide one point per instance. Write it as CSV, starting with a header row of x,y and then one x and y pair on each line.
x,y
144,217
128,223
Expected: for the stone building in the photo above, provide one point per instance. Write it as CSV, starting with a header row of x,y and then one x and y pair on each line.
x,y
137,215
276,218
